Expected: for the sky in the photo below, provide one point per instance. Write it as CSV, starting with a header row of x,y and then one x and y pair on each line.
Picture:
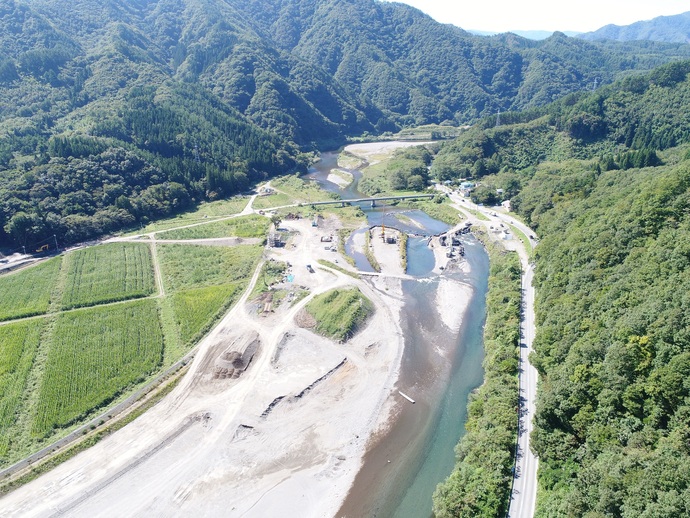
x,y
577,15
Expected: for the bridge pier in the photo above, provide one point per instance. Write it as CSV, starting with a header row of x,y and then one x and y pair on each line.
x,y
373,203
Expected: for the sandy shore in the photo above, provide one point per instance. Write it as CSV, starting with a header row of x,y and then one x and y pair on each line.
x,y
286,438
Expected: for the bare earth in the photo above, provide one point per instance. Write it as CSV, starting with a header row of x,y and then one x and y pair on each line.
x,y
285,438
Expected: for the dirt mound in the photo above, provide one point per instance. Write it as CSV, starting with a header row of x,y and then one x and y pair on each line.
x,y
305,320
235,360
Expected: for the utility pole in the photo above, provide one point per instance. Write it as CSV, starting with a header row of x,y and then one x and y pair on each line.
x,y
498,118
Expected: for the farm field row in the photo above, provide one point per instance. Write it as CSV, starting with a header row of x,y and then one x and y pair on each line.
x,y
82,352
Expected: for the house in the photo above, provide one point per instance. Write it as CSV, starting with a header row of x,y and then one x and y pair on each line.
x,y
506,205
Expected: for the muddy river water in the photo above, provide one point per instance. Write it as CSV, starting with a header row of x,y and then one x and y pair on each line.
x,y
439,369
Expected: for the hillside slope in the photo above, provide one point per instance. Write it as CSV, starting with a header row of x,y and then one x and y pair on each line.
x,y
164,103
662,28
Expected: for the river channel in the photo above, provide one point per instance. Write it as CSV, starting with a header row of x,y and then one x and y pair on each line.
x,y
439,369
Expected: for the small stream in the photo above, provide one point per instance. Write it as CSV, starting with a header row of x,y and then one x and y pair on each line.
x,y
439,369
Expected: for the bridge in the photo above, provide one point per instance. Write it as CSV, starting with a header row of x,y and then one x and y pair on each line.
x,y
373,201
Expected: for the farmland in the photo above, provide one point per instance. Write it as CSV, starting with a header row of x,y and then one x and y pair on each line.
x,y
203,282
27,292
93,356
192,266
108,273
196,309
18,345
86,352
245,226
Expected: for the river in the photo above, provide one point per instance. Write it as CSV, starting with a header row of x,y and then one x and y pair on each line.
x,y
439,370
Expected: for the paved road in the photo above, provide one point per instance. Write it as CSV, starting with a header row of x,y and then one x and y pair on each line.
x,y
523,498
524,493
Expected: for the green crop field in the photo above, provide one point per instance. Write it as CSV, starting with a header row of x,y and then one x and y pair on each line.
x,y
18,345
27,292
194,266
95,355
108,273
204,281
245,226
196,309
340,312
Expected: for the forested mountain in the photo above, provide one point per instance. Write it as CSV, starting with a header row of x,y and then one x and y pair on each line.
x,y
604,178
662,28
116,111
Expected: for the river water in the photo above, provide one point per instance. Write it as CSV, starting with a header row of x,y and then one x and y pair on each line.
x,y
439,370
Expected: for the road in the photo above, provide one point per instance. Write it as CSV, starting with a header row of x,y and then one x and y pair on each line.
x,y
524,486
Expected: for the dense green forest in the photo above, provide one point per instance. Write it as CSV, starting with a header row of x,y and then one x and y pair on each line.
x,y
604,179
480,483
120,111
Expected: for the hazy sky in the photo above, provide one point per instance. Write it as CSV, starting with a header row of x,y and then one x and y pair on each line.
x,y
578,15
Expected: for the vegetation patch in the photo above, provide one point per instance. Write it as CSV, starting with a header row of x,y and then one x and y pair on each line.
x,y
94,356
27,292
340,312
347,160
18,345
277,199
338,268
439,208
299,190
369,252
108,273
481,480
406,170
197,309
403,250
245,226
271,272
193,266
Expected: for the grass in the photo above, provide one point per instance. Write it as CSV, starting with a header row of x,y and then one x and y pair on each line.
x,y
52,461
197,309
194,266
299,190
108,273
277,199
203,283
244,226
343,235
443,211
333,266
403,250
214,209
27,292
18,345
369,252
95,355
347,160
479,215
271,272
340,312
522,237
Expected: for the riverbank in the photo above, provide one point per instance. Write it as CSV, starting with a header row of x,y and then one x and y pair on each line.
x,y
285,438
